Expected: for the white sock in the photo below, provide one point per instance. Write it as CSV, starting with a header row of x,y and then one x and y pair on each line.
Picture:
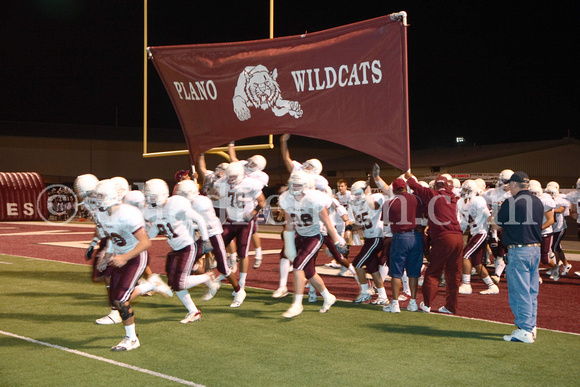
x,y
242,280
382,292
499,266
233,257
298,298
405,281
311,288
364,288
353,271
466,278
284,271
145,287
130,331
384,271
186,300
194,280
258,251
488,281
325,294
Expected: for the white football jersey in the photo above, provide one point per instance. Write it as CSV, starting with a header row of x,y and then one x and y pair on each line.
x,y
209,186
175,220
121,226
574,198
549,204
305,213
240,199
320,182
474,215
203,206
560,221
494,198
369,218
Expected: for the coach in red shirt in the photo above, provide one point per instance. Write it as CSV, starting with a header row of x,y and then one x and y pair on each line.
x,y
446,242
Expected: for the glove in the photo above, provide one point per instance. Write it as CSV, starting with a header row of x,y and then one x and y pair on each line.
x,y
376,171
89,252
207,247
342,249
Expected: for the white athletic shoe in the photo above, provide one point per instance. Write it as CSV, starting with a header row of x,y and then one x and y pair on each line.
x,y
412,306
382,301
333,265
160,286
443,309
294,310
238,299
465,289
362,297
495,279
312,296
425,308
566,270
112,318
257,262
493,289
327,304
212,289
280,292
521,336
555,273
191,317
127,344
393,307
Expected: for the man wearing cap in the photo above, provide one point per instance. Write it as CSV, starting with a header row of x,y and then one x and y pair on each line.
x,y
446,242
521,218
402,213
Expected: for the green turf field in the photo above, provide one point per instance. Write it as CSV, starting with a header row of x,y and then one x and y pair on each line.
x,y
351,345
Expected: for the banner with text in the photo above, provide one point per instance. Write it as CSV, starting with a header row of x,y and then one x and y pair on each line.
x,y
347,85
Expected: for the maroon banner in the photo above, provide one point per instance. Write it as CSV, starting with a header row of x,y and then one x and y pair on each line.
x,y
347,85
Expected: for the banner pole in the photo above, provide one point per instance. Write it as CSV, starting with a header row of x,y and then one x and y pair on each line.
x,y
145,77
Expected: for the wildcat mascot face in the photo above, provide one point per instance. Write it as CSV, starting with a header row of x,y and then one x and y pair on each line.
x,y
257,88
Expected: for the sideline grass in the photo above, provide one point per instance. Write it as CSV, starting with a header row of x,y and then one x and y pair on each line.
x,y
254,346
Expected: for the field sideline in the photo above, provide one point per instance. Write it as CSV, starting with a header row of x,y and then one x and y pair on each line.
x,y
48,337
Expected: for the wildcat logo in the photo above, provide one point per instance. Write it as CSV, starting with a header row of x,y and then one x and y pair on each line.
x,y
258,88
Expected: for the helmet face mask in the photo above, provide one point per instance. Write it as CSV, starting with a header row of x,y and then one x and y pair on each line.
x,y
255,163
552,191
312,166
106,195
187,189
235,174
220,170
358,190
298,183
469,189
502,179
156,192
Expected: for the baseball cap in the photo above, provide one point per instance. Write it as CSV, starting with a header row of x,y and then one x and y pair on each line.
x,y
398,183
441,180
519,177
180,174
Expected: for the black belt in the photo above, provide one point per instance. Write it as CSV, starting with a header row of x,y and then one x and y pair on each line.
x,y
405,232
528,245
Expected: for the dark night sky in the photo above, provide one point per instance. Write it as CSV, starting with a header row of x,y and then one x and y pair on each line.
x,y
489,71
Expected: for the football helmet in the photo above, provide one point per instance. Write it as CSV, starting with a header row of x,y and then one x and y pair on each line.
x,y
220,170
553,191
135,198
432,184
85,184
480,185
156,192
122,186
255,163
357,189
447,176
456,183
423,183
535,188
469,189
187,189
553,183
299,182
312,166
235,173
503,177
106,194
578,183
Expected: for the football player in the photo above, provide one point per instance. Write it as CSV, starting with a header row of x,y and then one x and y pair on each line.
x,y
304,209
546,257
560,212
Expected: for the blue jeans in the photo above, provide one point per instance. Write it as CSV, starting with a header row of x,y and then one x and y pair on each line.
x,y
406,254
523,285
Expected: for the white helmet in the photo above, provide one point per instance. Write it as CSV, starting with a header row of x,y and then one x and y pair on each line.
x,y
432,184
578,183
312,166
156,192
535,188
357,189
135,198
235,173
122,186
469,189
220,170
106,194
503,177
299,182
480,185
553,191
456,183
553,183
85,184
447,176
187,189
256,163
424,183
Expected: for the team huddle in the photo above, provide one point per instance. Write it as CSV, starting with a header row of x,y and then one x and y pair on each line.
x,y
212,226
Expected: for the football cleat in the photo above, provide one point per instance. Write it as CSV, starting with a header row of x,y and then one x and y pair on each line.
x,y
127,344
257,262
393,307
493,289
294,310
280,292
327,303
362,297
443,309
212,289
382,301
566,269
160,286
112,318
425,308
412,306
312,296
465,289
191,317
238,299
495,279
